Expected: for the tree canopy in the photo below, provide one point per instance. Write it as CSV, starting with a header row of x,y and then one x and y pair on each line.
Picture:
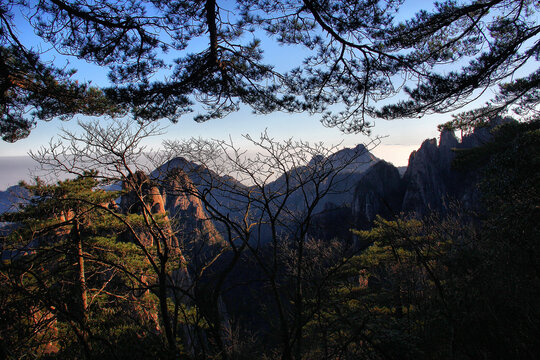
x,y
363,59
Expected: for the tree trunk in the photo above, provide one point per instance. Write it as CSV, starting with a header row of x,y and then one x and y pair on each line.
x,y
165,315
83,296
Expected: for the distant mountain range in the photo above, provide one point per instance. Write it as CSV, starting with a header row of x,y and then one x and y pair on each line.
x,y
12,197
364,186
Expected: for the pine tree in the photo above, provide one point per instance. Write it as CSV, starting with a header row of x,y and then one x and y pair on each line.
x,y
68,267
356,54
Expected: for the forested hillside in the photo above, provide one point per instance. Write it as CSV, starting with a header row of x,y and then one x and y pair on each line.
x,y
189,262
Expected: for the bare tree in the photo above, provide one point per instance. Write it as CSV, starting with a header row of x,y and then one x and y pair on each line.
x,y
114,154
268,209
209,207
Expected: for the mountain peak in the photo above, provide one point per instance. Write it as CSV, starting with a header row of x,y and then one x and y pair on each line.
x,y
355,159
448,139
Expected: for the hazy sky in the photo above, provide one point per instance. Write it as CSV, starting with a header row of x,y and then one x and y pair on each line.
x,y
13,169
402,136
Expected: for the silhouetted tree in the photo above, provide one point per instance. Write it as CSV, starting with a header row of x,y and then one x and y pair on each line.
x,y
502,298
459,286
27,83
266,205
356,53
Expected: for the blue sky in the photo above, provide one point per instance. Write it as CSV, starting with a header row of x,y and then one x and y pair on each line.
x,y
401,136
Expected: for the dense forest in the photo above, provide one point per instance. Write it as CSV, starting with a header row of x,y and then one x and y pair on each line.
x,y
187,261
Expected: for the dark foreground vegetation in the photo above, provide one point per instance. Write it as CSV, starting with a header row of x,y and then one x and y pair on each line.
x,y
85,275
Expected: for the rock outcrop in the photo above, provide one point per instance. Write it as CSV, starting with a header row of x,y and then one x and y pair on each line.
x,y
186,210
429,178
141,193
183,215
379,192
430,182
139,187
12,198
335,175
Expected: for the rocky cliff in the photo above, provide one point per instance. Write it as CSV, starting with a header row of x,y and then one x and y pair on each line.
x,y
334,175
430,182
173,199
186,209
379,192
12,198
429,178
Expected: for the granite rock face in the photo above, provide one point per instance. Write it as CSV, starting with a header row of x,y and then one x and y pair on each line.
x,y
186,210
429,178
174,200
222,191
379,192
335,175
430,182
140,185
12,198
